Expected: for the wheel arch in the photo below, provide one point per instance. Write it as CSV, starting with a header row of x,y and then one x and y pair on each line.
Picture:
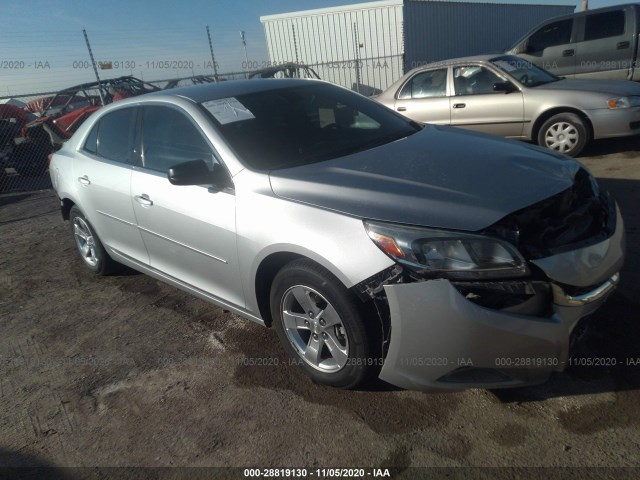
x,y
547,114
65,207
271,264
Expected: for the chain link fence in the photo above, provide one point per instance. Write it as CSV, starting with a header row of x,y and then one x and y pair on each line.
x,y
34,126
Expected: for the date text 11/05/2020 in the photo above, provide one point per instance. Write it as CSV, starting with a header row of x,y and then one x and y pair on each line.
x,y
316,472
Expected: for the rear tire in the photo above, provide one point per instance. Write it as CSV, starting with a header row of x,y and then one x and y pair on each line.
x,y
320,325
564,133
89,246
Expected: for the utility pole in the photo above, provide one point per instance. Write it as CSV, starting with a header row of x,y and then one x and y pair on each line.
x,y
95,69
295,43
357,45
213,58
246,58
585,5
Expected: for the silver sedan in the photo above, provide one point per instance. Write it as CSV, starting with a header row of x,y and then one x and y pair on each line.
x,y
427,256
508,96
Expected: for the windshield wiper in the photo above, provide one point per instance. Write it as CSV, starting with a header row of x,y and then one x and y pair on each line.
x,y
543,82
376,142
321,157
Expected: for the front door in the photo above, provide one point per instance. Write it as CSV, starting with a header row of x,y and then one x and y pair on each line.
x,y
476,106
551,47
189,231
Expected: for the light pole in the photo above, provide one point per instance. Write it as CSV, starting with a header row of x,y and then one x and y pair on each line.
x,y
246,58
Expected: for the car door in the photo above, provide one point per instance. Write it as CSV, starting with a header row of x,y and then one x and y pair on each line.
x,y
606,44
103,172
189,231
424,97
476,106
553,47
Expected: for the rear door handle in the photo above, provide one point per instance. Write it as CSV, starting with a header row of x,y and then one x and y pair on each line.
x,y
622,45
143,200
402,109
459,105
84,180
568,53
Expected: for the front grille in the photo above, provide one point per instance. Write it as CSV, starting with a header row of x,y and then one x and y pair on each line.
x,y
522,297
575,216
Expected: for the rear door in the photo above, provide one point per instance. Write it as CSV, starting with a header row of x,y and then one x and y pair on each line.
x,y
103,169
189,231
553,47
425,97
605,46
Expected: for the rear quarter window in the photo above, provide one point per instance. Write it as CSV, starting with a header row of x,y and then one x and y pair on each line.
x,y
91,144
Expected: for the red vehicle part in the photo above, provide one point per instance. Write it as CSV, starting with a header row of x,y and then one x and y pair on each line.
x,y
43,103
69,123
8,111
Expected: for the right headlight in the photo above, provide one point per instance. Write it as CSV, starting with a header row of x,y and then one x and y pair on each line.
x,y
447,254
623,102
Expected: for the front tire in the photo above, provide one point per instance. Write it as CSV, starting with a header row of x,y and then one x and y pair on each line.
x,y
90,248
320,325
564,133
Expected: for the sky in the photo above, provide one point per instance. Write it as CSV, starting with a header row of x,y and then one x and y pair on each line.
x,y
42,47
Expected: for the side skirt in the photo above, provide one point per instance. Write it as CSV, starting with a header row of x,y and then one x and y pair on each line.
x,y
163,277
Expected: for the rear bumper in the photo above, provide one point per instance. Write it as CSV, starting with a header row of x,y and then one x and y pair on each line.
x,y
442,340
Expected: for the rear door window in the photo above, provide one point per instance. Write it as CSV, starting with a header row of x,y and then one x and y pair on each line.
x,y
604,25
116,133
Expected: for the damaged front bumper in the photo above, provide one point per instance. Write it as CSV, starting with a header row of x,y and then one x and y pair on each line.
x,y
440,339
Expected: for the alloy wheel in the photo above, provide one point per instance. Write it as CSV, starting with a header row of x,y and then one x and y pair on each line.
x,y
85,242
314,328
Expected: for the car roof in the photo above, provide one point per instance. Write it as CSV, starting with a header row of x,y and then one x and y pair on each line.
x,y
455,61
232,88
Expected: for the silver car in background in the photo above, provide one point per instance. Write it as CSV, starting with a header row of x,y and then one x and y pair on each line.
x,y
509,96
427,256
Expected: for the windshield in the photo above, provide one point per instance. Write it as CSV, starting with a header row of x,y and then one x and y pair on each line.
x,y
295,126
523,71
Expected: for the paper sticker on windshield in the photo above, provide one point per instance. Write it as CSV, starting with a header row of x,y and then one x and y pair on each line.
x,y
504,65
228,110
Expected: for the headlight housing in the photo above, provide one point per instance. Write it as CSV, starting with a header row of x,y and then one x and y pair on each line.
x,y
441,253
623,102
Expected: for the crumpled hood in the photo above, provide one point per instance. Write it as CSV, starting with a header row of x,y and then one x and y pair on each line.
x,y
439,177
611,87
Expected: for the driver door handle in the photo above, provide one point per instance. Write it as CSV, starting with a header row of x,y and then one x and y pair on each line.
x,y
459,105
568,53
144,200
402,109
84,180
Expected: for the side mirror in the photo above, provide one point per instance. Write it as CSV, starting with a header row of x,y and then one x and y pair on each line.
x,y
506,87
194,172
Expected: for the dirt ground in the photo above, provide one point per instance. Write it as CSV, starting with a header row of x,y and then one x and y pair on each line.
x,y
126,371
